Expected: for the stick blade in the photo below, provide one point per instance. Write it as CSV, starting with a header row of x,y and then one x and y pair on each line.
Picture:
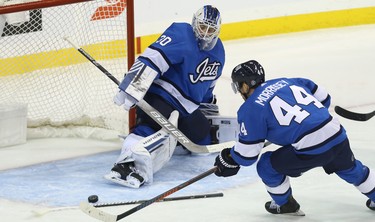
x,y
352,115
96,213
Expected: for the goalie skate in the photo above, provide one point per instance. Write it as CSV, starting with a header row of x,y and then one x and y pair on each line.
x,y
125,174
290,208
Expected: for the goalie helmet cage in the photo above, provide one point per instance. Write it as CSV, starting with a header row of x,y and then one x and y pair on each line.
x,y
60,87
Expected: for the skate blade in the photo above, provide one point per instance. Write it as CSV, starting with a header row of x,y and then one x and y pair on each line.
x,y
297,213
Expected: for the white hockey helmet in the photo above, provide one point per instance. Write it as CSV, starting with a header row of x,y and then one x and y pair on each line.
x,y
206,25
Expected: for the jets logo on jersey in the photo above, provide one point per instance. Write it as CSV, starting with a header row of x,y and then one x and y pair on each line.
x,y
205,71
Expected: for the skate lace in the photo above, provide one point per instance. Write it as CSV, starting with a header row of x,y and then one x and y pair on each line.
x,y
274,205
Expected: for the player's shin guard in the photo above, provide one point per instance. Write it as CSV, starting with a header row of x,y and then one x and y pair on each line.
x,y
363,179
367,187
281,193
277,185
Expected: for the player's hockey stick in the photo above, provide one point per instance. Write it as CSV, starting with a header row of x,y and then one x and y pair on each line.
x,y
167,199
41,212
352,115
90,210
184,140
157,116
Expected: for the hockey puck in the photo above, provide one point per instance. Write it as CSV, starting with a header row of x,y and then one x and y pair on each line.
x,y
93,198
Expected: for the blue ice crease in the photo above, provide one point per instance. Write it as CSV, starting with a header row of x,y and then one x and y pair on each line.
x,y
68,182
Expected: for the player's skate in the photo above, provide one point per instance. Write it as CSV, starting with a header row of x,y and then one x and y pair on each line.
x,y
370,204
125,174
290,208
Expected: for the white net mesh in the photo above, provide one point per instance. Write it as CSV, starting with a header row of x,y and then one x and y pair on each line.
x,y
61,88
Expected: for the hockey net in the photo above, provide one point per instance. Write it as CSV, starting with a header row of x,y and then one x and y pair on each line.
x,y
65,94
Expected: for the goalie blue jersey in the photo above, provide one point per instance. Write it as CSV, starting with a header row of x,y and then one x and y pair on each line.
x,y
286,111
187,75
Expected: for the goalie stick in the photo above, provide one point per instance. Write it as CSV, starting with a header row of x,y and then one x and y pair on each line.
x,y
157,116
43,211
352,115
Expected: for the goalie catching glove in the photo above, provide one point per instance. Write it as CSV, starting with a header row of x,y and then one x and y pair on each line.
x,y
225,164
135,85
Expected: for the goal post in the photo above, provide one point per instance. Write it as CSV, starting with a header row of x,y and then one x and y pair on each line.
x,y
65,94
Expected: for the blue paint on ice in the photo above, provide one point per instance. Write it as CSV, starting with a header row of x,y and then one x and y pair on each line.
x,y
68,182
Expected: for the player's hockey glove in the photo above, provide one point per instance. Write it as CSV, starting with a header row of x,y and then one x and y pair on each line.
x,y
226,166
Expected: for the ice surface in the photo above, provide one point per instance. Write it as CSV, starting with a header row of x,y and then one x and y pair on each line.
x,y
62,172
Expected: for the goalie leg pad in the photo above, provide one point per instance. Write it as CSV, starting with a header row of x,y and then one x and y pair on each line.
x,y
130,141
135,164
164,152
154,151
149,154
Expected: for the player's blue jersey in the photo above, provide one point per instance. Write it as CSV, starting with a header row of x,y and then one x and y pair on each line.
x,y
286,111
187,75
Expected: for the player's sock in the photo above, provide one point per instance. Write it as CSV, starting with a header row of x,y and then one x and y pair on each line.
x,y
370,204
125,174
291,207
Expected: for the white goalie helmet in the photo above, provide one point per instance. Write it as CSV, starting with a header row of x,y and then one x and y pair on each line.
x,y
206,25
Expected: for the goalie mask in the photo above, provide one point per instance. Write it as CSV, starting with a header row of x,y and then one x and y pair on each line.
x,y
206,26
250,72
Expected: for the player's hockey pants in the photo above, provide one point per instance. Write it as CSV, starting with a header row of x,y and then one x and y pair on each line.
x,y
275,167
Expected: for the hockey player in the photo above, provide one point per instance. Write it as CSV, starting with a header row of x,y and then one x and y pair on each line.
x,y
292,113
177,72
